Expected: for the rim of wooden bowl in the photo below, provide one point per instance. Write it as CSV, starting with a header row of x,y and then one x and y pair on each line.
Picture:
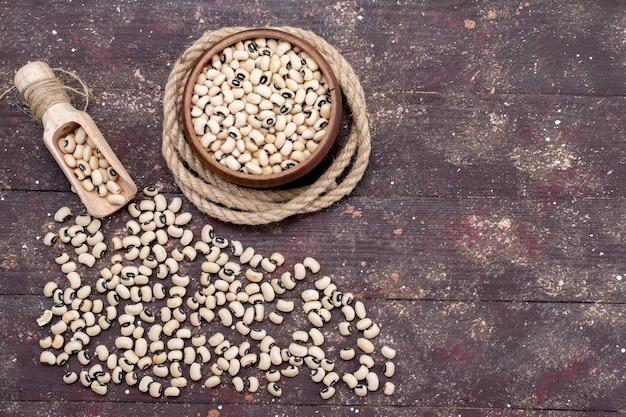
x,y
288,175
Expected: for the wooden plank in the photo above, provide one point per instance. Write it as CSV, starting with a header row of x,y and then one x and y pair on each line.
x,y
63,408
480,355
459,145
408,248
539,47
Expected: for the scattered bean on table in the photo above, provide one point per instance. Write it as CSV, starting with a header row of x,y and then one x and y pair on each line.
x,y
210,328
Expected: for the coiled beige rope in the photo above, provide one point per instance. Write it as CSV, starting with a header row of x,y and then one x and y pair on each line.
x,y
242,205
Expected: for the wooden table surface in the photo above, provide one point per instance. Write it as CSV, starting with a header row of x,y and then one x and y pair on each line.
x,y
487,237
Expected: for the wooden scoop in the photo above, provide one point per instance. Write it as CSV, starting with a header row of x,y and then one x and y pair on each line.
x,y
75,142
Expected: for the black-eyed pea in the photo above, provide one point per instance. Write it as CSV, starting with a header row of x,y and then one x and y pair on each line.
x,y
50,238
322,283
327,392
98,250
360,390
252,384
171,391
336,298
347,353
195,319
372,331
297,349
350,380
225,317
59,327
63,214
364,323
84,378
57,296
62,358
170,327
361,372
48,357
290,372
256,299
77,325
311,264
359,309
316,352
242,328
237,308
68,267
155,389
195,371
141,347
82,337
277,258
388,352
276,356
315,318
238,384
265,362
276,317
99,388
57,341
83,292
330,291
59,309
216,339
174,303
327,364
330,379
45,318
234,365
199,340
258,334
317,374
327,302
277,286
288,280
63,235
268,265
248,360
372,381
268,292
45,342
255,261
212,381
285,306
365,345
300,336
176,369
310,295
160,370
389,388
389,369
366,360
70,377
299,269
189,253
97,306
175,356
144,363
324,314
158,290
49,288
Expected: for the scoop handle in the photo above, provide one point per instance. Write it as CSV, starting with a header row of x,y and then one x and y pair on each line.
x,y
39,86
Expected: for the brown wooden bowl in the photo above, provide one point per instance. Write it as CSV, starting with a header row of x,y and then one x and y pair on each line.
x,y
287,175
